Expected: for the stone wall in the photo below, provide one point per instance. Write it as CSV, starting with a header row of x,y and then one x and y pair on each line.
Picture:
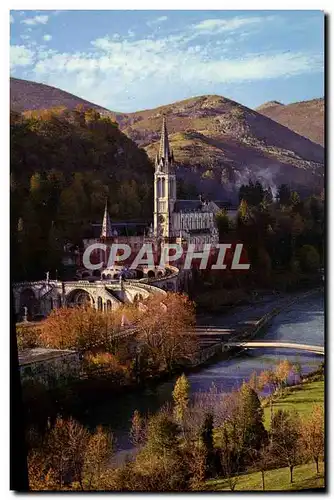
x,y
49,367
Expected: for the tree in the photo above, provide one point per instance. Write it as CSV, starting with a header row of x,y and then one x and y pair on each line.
x,y
181,398
230,455
309,258
269,379
298,369
313,434
206,435
160,461
65,450
282,372
162,435
165,331
294,198
223,224
284,194
96,457
137,431
83,328
249,419
263,460
286,442
252,193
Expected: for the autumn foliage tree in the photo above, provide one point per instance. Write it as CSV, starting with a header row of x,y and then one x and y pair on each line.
x,y
313,435
166,331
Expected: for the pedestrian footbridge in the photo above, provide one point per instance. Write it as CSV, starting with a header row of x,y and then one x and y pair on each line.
x,y
255,344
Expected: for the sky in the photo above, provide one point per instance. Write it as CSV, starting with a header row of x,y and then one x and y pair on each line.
x,y
132,60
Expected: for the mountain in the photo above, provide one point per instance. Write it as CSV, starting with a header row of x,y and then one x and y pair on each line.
x,y
306,118
269,104
221,144
218,144
26,95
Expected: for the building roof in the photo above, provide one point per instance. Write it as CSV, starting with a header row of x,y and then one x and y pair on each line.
x,y
28,356
123,228
188,206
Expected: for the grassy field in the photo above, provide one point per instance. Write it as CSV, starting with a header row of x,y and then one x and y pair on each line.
x,y
300,397
304,477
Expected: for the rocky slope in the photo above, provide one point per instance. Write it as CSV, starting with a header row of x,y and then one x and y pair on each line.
x,y
306,118
218,143
221,144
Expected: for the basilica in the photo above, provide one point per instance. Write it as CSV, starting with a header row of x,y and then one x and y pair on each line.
x,y
190,221
174,220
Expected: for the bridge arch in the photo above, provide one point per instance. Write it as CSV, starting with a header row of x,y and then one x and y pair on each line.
x,y
99,304
79,297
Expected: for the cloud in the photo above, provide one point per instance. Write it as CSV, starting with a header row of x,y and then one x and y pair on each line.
x,y
158,20
215,26
12,20
135,66
176,66
20,56
47,38
36,20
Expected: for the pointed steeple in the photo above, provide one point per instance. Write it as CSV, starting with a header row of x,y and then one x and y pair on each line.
x,y
164,151
106,224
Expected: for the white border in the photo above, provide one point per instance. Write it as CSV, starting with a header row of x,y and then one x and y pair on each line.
x,y
325,5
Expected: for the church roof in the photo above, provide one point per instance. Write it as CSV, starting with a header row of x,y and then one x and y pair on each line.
x,y
164,151
188,206
201,205
123,228
106,224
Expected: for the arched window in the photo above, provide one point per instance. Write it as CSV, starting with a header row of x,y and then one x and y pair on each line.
x,y
99,303
59,300
109,307
51,303
163,187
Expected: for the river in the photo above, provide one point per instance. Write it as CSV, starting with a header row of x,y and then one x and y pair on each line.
x,y
301,322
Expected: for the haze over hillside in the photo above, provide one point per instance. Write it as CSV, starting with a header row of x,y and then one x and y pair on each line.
x,y
306,118
218,143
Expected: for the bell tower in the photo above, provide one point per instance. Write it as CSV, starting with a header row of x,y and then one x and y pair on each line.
x,y
164,187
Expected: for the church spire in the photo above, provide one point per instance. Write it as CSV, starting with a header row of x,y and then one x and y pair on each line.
x,y
164,151
106,224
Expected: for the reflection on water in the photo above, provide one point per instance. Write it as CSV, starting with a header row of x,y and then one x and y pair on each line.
x,y
302,322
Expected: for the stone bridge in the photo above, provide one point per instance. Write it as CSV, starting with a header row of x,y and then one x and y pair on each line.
x,y
40,297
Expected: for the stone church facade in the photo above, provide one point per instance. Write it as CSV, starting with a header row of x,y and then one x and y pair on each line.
x,y
182,221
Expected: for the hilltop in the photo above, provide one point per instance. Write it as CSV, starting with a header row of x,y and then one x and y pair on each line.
x,y
26,95
306,118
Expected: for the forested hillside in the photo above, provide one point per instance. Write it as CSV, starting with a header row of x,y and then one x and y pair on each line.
x,y
64,164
